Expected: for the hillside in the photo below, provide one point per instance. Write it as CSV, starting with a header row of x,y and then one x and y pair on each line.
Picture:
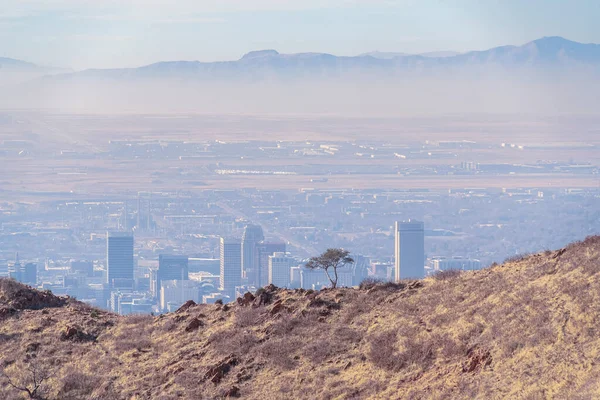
x,y
526,329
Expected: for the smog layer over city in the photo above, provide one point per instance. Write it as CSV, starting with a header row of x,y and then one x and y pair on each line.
x,y
134,178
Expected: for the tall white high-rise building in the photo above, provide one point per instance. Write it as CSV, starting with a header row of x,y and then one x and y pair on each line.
x,y
119,260
253,235
279,269
231,265
177,292
409,250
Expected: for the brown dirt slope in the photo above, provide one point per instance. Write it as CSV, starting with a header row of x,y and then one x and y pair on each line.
x,y
527,329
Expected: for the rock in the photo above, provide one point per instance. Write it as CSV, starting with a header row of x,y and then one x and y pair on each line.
x,y
477,358
264,296
246,300
6,312
179,318
76,334
234,391
559,253
70,333
414,285
216,373
32,347
193,325
277,308
187,305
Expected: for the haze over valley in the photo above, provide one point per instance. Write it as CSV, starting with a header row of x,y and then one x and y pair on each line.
x,y
310,200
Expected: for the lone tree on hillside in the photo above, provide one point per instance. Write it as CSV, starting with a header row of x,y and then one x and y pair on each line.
x,y
332,259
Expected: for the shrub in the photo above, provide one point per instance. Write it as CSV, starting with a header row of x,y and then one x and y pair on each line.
x,y
417,351
279,352
516,258
383,351
318,351
138,319
369,283
233,341
77,385
248,316
447,274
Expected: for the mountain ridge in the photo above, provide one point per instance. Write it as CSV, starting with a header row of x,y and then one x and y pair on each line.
x,y
264,64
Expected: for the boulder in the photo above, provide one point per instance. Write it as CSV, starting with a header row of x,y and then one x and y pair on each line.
x,y
233,391
193,325
216,373
246,300
187,305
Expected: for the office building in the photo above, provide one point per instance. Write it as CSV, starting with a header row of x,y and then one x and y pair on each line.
x,y
279,269
264,250
409,250
174,293
128,302
171,267
29,274
15,270
465,264
24,273
231,265
253,234
210,265
360,269
119,260
314,279
295,277
85,268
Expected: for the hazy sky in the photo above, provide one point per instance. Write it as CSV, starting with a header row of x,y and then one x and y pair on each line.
x,y
117,33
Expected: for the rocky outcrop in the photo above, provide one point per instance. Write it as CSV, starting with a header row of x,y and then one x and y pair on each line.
x,y
15,296
193,325
216,373
188,304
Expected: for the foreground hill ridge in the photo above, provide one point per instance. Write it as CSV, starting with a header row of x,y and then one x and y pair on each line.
x,y
525,329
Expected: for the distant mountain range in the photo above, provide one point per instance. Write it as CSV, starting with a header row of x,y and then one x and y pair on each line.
x,y
15,71
11,64
391,56
265,64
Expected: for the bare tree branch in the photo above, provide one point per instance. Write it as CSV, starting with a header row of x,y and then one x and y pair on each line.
x,y
36,375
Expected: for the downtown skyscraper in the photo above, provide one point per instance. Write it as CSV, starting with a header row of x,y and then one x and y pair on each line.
x,y
171,267
409,251
119,260
252,236
231,266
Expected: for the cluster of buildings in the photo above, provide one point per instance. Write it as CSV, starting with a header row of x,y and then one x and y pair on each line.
x,y
244,264
170,247
22,272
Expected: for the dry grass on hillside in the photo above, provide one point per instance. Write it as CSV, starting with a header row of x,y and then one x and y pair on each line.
x,y
527,329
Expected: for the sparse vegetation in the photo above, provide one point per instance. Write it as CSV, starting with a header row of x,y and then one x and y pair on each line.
x,y
447,274
29,377
528,329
